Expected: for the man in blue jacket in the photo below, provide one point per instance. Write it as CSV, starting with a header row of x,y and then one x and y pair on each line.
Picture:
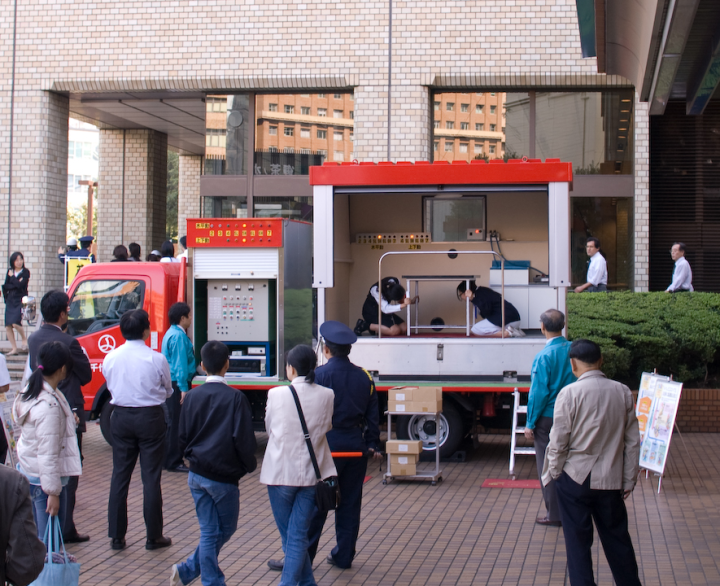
x,y
551,371
177,349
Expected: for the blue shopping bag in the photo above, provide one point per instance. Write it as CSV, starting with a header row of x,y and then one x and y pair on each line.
x,y
59,570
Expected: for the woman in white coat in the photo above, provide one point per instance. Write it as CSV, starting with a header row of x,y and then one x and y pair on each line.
x,y
287,468
48,453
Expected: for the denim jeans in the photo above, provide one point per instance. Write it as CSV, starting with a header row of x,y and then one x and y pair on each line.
x,y
217,505
39,501
293,507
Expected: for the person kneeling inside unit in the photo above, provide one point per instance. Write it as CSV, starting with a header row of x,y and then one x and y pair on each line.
x,y
489,305
392,302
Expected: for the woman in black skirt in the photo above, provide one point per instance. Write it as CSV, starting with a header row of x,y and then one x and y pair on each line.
x,y
14,289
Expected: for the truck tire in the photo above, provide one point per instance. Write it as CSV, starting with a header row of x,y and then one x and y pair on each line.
x,y
105,428
422,427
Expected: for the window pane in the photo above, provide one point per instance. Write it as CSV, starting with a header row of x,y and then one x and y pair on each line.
x,y
305,111
98,305
304,133
449,220
227,134
450,106
289,109
296,208
224,207
322,112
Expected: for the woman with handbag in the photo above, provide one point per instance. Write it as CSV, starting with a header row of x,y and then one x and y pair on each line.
x,y
48,453
288,468
14,289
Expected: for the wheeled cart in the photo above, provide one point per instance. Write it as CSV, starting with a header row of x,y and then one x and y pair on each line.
x,y
433,478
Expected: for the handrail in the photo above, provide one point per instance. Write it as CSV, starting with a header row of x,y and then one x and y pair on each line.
x,y
467,311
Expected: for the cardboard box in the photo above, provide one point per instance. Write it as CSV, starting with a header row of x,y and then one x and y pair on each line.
x,y
401,394
425,394
409,469
404,459
400,407
425,407
403,447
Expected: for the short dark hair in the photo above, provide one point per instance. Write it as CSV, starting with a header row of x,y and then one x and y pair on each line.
x,y
338,350
135,250
585,351
214,356
13,257
167,248
594,240
462,287
303,359
133,324
177,311
152,257
183,241
553,320
391,289
120,251
680,245
53,304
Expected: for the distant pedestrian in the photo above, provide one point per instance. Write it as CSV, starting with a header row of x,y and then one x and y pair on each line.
x,y
167,251
551,371
135,252
183,245
682,273
287,468
120,254
597,275
216,436
593,456
178,350
84,251
14,289
154,256
138,379
23,553
70,246
48,453
54,309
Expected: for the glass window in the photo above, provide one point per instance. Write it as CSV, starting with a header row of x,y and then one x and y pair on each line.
x,y
321,95
478,148
337,135
289,109
479,126
304,95
322,152
337,96
71,149
437,105
493,127
479,109
450,106
227,135
463,147
435,145
224,207
352,115
305,151
352,136
492,149
450,220
273,131
289,131
337,113
322,134
322,112
479,93
289,150
449,145
272,107
492,93
338,156
295,208
304,133
449,125
464,107
436,124
305,110
464,126
492,109
98,305
291,161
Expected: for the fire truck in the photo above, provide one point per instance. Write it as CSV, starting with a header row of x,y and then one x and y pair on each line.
x,y
264,285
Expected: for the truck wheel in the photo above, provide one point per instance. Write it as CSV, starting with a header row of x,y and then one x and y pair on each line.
x,y
105,428
424,427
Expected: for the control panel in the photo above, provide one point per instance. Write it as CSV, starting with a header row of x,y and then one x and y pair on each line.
x,y
238,310
229,233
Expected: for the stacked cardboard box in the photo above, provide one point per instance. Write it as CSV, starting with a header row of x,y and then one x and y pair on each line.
x,y
404,455
415,399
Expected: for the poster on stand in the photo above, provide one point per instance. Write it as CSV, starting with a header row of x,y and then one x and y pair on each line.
x,y
10,429
661,421
646,397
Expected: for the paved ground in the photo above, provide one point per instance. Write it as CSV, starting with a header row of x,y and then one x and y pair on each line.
x,y
412,533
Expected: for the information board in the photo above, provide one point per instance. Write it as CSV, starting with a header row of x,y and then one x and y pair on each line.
x,y
658,430
646,395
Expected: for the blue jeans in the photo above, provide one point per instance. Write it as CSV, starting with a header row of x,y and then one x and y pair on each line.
x,y
39,501
293,508
217,505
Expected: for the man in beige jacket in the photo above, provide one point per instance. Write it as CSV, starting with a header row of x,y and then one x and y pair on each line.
x,y
593,456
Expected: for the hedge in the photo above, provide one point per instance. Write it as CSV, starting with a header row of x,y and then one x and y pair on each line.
x,y
678,333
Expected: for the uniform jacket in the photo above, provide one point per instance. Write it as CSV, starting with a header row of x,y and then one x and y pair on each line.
x,y
287,459
356,415
551,371
594,432
15,288
48,447
177,349
23,554
79,375
489,304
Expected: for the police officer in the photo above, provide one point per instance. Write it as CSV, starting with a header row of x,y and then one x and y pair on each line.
x,y
84,251
354,429
71,246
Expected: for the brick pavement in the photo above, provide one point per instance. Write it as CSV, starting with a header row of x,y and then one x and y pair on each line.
x,y
413,533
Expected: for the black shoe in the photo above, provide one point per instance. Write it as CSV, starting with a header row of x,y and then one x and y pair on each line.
x,y
158,543
181,468
276,565
331,560
118,543
360,327
547,522
76,538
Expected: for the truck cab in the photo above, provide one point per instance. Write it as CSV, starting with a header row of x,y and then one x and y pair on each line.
x,y
99,295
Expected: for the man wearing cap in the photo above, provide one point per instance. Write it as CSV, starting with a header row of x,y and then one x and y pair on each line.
x,y
70,246
84,252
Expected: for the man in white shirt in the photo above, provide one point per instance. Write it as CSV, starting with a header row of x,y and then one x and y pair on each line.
x,y
682,273
139,381
597,271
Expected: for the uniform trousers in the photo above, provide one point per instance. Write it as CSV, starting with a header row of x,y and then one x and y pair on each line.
x,y
542,438
351,476
173,457
137,431
580,505
68,528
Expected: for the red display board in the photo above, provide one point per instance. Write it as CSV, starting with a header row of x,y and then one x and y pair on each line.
x,y
231,233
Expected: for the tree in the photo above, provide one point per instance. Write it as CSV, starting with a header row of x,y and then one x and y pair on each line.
x,y
77,221
173,179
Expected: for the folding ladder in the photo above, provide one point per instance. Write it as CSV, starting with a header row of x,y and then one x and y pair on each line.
x,y
514,449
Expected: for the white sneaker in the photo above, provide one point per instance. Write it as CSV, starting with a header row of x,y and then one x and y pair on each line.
x,y
175,577
515,332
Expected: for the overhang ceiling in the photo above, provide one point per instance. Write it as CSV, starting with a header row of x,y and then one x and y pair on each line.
x,y
181,117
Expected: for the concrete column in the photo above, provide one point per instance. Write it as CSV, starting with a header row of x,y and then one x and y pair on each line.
x,y
38,210
188,191
642,195
132,190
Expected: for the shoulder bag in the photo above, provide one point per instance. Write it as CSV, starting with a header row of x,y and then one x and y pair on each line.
x,y
327,491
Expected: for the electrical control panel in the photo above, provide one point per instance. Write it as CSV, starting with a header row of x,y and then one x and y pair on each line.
x,y
238,310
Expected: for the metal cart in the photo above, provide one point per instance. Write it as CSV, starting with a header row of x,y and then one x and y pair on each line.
x,y
433,478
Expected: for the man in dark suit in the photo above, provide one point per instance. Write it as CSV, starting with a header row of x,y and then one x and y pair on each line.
x,y
54,308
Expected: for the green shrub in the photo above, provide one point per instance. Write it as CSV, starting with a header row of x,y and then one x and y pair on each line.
x,y
678,334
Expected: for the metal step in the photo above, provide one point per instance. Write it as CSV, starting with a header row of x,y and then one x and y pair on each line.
x,y
522,409
525,451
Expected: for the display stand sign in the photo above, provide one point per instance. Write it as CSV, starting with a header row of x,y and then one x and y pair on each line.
x,y
660,423
10,429
646,395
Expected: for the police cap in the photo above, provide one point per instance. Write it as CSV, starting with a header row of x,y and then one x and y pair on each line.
x,y
337,333
86,238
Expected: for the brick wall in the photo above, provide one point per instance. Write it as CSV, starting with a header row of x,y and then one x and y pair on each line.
x,y
188,191
699,411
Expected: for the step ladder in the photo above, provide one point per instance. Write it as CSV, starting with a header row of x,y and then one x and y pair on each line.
x,y
518,409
